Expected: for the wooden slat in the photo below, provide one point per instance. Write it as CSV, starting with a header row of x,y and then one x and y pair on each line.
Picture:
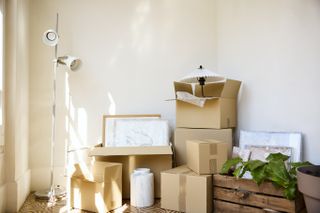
x,y
245,184
252,199
223,206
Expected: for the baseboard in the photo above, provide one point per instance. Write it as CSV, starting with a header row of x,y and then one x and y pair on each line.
x,y
3,198
17,192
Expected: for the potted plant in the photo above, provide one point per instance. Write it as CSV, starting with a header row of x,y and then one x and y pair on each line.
x,y
274,170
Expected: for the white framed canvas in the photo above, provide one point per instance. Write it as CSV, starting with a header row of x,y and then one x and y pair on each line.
x,y
140,130
273,139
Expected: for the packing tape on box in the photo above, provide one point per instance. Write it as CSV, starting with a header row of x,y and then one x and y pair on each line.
x,y
182,192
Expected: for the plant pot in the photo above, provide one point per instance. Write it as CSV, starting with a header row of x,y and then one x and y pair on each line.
x,y
309,185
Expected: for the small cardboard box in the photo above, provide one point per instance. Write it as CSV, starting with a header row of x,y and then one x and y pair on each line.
x,y
181,135
185,191
206,156
97,188
157,158
219,111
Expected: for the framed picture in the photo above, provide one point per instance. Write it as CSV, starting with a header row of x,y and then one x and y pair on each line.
x,y
135,130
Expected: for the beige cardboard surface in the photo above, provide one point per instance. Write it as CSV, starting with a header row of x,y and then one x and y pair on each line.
x,y
158,159
97,189
185,191
181,135
206,156
218,112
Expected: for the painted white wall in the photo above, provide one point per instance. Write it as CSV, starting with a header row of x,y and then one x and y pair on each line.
x,y
132,51
273,46
16,93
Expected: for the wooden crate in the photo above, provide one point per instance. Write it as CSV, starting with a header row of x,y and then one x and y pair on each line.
x,y
241,195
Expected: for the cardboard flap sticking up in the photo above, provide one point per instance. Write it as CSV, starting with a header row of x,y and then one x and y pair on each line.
x,y
231,89
210,89
126,151
182,87
95,172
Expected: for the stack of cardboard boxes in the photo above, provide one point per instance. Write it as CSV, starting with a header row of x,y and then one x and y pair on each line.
x,y
202,141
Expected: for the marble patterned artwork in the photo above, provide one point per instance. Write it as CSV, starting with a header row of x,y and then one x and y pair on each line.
x,y
276,139
36,206
262,152
137,132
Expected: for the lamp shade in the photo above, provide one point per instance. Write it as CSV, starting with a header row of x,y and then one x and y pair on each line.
x,y
50,37
73,63
200,72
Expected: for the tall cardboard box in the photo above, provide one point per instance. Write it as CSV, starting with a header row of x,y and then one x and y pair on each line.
x,y
206,156
185,191
157,158
181,135
219,110
96,188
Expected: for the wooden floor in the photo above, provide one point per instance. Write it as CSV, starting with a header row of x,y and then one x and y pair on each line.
x,y
33,205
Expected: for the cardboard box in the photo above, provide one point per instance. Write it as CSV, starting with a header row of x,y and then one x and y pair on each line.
x,y
185,191
219,111
181,135
97,188
206,156
157,158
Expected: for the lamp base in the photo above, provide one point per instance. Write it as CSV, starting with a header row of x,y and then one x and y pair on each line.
x,y
59,193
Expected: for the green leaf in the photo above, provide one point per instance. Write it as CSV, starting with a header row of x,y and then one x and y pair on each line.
x,y
294,166
237,172
259,174
229,164
277,172
244,168
290,191
277,156
253,164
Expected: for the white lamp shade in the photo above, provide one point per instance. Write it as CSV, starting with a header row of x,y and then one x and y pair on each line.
x,y
73,63
50,38
201,72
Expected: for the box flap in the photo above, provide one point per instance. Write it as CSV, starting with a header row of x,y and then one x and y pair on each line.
x,y
227,89
210,89
125,151
205,141
184,170
231,89
93,172
182,87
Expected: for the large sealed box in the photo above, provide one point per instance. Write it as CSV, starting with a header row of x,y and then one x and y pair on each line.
x,y
96,188
185,191
157,158
181,135
219,110
206,156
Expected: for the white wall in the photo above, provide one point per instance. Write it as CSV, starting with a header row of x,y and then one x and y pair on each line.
x,y
131,53
273,46
16,94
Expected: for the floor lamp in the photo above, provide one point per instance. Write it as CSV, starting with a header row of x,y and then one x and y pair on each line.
x,y
51,38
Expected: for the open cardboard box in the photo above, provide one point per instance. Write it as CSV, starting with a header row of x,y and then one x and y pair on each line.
x,y
157,158
97,187
219,111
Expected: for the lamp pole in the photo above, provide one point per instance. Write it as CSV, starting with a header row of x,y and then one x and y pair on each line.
x,y
53,119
